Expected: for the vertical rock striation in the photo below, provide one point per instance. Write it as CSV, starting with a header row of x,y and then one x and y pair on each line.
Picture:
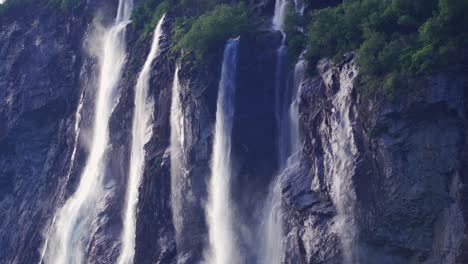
x,y
402,189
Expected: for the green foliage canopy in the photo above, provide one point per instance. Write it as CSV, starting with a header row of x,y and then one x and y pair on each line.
x,y
147,14
205,34
393,38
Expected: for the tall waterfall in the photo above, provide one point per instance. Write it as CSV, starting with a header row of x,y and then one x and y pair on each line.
x,y
222,238
178,168
141,134
70,233
339,157
280,82
272,224
282,94
272,229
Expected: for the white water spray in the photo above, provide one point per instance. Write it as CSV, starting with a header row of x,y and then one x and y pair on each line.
x,y
72,162
222,238
272,226
299,6
298,78
70,233
280,82
178,160
272,229
280,14
141,134
339,155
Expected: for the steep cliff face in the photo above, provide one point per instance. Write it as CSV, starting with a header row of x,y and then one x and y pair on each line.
x,y
382,180
375,180
41,58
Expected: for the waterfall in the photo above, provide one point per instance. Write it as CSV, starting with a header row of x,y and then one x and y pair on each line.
x,y
280,14
70,233
178,161
222,238
280,82
282,90
298,77
141,134
288,142
76,129
272,226
339,157
299,6
272,229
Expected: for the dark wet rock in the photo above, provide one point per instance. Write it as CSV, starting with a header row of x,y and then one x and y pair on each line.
x,y
408,178
409,173
41,58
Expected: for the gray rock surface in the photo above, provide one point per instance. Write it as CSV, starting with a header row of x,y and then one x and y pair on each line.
x,y
41,60
405,186
408,175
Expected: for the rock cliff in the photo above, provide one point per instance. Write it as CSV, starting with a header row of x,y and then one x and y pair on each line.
x,y
376,180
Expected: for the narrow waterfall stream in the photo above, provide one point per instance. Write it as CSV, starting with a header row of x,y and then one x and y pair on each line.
x,y
272,230
222,238
76,129
282,95
298,78
70,233
141,134
178,169
280,14
281,91
272,225
340,154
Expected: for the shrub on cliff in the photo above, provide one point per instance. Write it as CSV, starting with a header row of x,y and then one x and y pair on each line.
x,y
147,14
404,38
206,34
293,26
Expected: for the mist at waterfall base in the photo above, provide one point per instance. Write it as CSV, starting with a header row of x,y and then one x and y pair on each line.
x,y
72,228
141,134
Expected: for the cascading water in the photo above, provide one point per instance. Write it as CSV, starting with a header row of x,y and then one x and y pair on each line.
x,y
70,233
272,230
298,78
282,104
299,6
178,168
222,239
72,162
280,14
272,226
280,82
339,156
141,134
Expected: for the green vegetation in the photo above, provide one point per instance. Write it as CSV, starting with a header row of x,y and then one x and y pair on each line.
x,y
204,35
395,40
147,14
296,40
193,8
201,26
